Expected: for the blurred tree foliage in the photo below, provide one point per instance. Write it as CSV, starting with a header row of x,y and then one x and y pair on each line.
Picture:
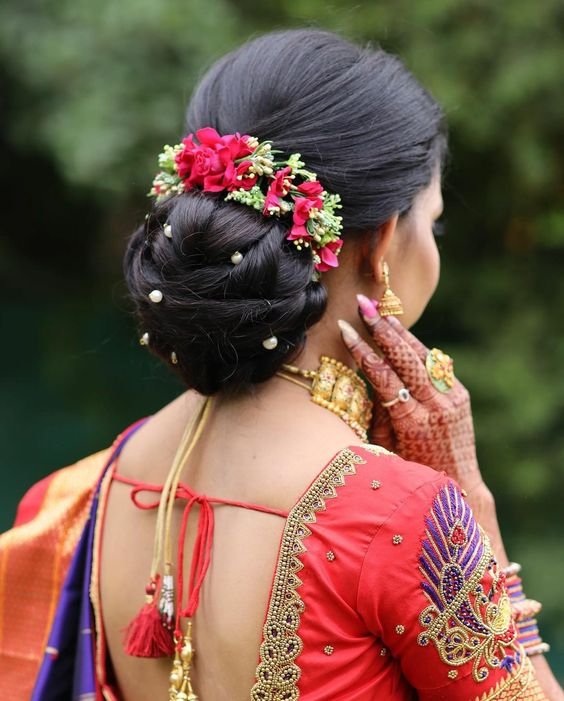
x,y
89,92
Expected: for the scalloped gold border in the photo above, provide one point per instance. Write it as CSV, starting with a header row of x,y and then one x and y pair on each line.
x,y
278,674
522,685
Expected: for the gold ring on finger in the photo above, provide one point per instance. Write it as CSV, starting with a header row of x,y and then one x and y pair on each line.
x,y
440,368
404,395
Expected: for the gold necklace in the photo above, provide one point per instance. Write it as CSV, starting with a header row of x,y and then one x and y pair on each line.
x,y
338,388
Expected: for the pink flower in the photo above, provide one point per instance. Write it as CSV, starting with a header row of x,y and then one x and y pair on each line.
x,y
235,179
299,232
278,188
302,208
281,182
271,202
328,255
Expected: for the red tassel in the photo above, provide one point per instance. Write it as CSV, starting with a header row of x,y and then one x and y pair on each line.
x,y
146,636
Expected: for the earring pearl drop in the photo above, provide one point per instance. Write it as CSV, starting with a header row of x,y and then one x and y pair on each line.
x,y
270,343
156,296
144,340
236,258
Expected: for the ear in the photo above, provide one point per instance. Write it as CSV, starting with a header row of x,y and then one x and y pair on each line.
x,y
381,243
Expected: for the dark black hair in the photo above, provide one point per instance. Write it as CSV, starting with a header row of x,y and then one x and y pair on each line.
x,y
360,120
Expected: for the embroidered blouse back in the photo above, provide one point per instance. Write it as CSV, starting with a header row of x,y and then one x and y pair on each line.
x,y
332,601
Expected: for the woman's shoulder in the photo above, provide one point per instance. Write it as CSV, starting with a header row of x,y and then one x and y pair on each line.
x,y
62,490
388,472
366,490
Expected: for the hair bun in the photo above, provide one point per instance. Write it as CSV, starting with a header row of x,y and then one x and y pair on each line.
x,y
215,313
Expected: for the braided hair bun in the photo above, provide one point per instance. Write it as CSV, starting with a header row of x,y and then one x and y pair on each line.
x,y
360,121
214,314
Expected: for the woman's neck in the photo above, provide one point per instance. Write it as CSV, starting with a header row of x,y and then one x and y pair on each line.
x,y
323,339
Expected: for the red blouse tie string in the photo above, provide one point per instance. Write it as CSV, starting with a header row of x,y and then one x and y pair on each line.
x,y
201,556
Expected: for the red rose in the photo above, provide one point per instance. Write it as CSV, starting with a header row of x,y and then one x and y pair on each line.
x,y
328,255
206,162
211,165
194,163
311,189
237,145
185,158
208,137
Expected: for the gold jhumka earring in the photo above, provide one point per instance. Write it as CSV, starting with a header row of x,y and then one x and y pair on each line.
x,y
389,304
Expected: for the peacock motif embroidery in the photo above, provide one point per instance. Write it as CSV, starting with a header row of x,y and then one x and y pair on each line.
x,y
469,617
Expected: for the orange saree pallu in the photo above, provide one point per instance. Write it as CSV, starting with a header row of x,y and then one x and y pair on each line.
x,y
35,557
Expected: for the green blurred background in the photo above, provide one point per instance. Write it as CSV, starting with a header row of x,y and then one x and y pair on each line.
x,y
89,93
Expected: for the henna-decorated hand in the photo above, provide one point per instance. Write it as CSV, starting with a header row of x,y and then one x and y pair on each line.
x,y
432,427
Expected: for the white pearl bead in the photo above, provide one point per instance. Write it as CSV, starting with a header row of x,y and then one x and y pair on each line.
x,y
167,228
236,258
174,358
270,343
156,296
144,340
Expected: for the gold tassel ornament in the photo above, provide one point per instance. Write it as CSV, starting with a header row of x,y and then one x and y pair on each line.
x,y
180,682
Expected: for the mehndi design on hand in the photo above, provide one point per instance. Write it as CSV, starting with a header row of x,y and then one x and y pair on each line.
x,y
433,427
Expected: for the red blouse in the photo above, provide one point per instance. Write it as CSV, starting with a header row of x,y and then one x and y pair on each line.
x,y
386,588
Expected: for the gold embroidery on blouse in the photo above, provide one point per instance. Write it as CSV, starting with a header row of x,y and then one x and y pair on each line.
x,y
277,673
469,617
376,449
521,685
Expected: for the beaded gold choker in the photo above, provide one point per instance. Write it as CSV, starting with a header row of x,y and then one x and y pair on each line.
x,y
338,388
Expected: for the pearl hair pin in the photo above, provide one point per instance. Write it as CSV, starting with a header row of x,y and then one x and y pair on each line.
x,y
156,296
270,343
144,340
167,229
236,258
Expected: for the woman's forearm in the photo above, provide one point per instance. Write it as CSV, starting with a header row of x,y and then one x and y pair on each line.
x,y
483,505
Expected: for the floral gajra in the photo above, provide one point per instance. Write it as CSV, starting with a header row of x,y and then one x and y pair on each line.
x,y
251,173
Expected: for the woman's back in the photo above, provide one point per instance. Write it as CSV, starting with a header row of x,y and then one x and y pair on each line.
x,y
243,455
354,594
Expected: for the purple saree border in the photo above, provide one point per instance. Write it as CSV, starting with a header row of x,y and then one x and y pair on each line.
x,y
67,671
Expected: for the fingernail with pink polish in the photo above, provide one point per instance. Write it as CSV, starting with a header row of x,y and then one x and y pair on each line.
x,y
366,307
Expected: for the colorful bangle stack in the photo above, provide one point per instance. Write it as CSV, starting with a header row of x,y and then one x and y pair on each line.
x,y
524,612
